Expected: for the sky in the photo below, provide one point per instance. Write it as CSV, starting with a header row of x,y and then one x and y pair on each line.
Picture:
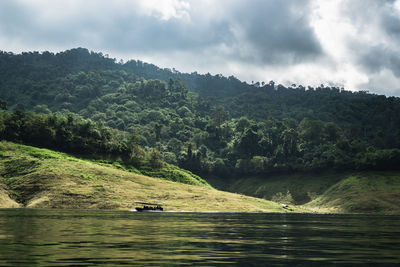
x,y
353,44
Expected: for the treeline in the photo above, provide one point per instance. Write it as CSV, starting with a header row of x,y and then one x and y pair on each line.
x,y
72,134
221,126
242,146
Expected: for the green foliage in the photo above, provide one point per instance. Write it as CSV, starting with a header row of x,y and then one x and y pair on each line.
x,y
155,159
140,114
82,137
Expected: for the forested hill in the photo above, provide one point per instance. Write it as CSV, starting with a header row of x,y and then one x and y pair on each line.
x,y
208,124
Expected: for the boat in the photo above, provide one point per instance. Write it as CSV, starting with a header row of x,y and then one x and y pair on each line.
x,y
149,207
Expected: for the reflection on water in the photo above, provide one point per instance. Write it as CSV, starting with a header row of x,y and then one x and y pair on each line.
x,y
87,238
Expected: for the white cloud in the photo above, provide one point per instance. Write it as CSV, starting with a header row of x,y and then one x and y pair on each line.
x,y
333,31
164,9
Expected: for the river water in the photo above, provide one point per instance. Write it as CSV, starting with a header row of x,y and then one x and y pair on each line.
x,y
108,238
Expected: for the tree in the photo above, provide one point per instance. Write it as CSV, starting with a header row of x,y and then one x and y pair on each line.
x,y
248,144
242,123
311,131
219,116
155,159
332,131
289,138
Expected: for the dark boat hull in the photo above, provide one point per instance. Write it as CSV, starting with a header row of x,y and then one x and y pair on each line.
x,y
148,210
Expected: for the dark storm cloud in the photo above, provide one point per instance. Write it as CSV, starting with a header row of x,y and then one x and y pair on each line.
x,y
279,31
147,34
114,27
375,46
383,20
391,23
268,32
375,59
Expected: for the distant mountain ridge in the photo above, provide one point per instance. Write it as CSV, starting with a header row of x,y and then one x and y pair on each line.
x,y
35,66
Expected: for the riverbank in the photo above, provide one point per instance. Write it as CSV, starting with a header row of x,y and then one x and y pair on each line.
x,y
41,178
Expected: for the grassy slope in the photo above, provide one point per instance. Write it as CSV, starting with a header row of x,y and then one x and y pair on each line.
x,y
333,192
41,178
362,192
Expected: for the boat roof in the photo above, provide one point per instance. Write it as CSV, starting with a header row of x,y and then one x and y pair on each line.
x,y
146,203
